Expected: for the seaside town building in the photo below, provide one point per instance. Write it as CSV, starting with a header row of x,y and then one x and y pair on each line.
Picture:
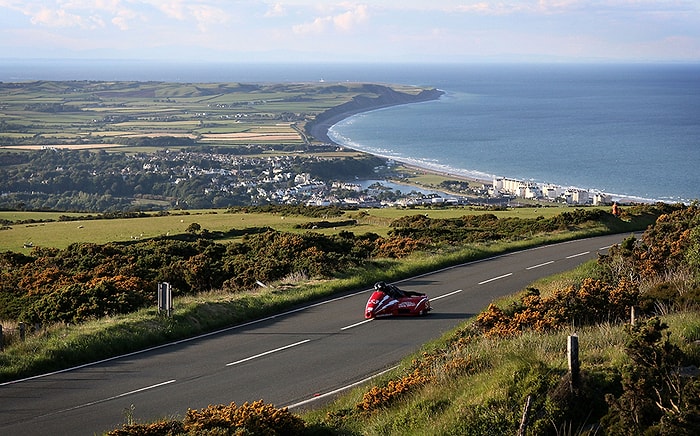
x,y
503,186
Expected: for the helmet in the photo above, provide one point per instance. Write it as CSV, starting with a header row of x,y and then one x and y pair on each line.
x,y
379,286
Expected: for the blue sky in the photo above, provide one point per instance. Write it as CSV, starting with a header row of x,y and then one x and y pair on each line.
x,y
348,31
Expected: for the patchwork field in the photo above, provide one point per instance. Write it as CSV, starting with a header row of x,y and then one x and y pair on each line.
x,y
86,114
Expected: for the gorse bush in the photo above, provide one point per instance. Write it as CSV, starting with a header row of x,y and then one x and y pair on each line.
x,y
488,227
88,281
590,302
253,419
656,397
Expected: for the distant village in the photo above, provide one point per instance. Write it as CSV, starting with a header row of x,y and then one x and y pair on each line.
x,y
274,180
208,178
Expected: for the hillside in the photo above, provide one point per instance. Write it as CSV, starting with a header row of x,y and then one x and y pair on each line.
x,y
505,372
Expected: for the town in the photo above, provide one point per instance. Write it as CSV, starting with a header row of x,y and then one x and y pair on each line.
x,y
209,177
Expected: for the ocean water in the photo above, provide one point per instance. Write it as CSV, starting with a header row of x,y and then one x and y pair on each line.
x,y
632,131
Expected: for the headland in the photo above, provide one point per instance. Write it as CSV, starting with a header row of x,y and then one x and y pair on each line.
x,y
386,97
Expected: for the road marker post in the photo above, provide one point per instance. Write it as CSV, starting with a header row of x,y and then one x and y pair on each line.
x,y
165,298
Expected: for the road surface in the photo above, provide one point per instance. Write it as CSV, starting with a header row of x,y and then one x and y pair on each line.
x,y
290,360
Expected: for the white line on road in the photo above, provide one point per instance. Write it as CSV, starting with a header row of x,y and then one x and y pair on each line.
x,y
319,396
446,295
577,255
268,352
92,403
542,264
496,278
356,324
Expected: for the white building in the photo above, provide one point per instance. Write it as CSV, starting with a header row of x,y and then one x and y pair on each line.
x,y
576,196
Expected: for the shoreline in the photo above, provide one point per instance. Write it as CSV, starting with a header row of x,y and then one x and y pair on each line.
x,y
319,131
387,97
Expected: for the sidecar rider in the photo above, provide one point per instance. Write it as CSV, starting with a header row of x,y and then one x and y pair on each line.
x,y
394,291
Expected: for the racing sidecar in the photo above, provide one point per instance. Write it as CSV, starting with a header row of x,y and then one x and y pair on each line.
x,y
388,300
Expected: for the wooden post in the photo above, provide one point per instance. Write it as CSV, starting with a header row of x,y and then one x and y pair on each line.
x,y
2,340
633,316
574,365
22,331
523,420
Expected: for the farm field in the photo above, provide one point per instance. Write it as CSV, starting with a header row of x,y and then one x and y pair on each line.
x,y
85,114
46,230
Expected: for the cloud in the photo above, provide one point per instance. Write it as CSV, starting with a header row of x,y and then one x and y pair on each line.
x,y
204,14
171,9
344,21
208,16
123,18
63,18
276,10
79,14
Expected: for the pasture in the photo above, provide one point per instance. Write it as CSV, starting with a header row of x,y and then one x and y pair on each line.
x,y
59,113
46,230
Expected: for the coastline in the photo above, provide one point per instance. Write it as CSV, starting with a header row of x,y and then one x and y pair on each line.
x,y
387,97
324,121
320,128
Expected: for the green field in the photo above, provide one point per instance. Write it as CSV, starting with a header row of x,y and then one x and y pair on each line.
x,y
57,113
47,231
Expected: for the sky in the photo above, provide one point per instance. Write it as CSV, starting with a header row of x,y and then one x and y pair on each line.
x,y
348,31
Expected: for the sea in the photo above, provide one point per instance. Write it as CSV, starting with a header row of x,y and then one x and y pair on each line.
x,y
628,130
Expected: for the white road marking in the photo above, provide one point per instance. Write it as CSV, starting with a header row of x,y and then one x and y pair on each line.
x,y
356,324
496,278
577,255
446,295
268,352
92,403
319,396
542,264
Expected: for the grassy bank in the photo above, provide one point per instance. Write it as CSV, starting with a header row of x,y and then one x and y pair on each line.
x,y
479,386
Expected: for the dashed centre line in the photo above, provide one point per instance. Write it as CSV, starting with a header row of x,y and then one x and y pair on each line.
x,y
446,295
577,255
496,278
540,265
268,352
356,324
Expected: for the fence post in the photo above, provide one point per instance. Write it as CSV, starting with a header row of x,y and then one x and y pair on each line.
x,y
523,420
2,340
633,315
572,352
22,331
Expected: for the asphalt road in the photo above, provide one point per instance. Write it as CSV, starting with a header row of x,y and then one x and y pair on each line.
x,y
294,359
